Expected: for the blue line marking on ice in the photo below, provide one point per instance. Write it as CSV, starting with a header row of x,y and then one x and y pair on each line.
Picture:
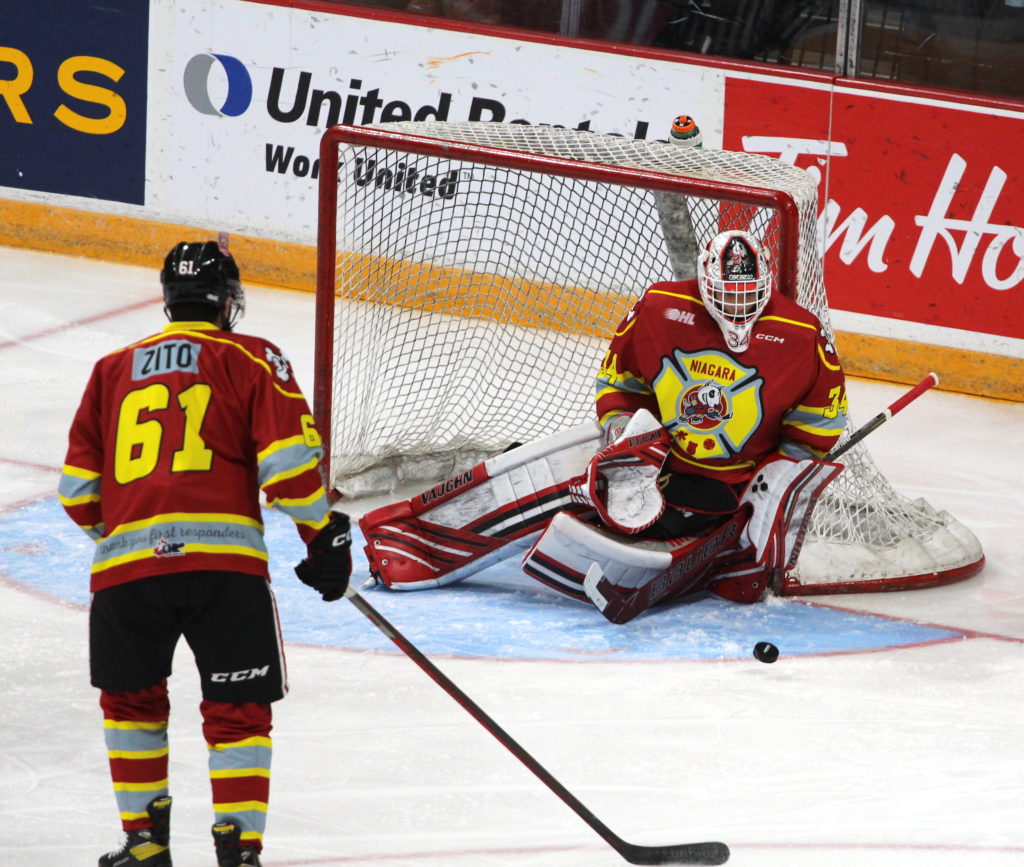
x,y
498,613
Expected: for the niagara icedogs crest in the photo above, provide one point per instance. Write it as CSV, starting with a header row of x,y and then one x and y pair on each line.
x,y
717,402
704,405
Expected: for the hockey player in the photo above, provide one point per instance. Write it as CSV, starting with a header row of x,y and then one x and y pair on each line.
x,y
717,400
174,438
730,395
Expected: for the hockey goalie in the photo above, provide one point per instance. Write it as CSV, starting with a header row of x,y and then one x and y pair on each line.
x,y
716,403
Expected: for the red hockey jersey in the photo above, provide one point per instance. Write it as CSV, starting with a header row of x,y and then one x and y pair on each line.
x,y
726,411
174,438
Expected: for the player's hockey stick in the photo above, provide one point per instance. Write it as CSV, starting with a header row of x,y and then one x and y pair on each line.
x,y
930,380
683,853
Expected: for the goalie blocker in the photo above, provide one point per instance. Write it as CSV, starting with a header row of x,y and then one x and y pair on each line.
x,y
548,498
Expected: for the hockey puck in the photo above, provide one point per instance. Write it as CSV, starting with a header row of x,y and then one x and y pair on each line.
x,y
765,651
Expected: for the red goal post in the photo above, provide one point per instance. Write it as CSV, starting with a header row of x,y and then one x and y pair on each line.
x,y
468,278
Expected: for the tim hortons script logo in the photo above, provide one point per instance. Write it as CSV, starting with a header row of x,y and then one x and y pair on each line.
x,y
963,239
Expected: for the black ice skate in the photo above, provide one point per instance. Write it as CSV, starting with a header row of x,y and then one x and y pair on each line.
x,y
226,836
147,846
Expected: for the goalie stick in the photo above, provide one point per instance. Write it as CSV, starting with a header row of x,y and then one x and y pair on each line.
x,y
681,853
930,380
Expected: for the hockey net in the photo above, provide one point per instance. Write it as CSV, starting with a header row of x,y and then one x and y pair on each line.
x,y
471,274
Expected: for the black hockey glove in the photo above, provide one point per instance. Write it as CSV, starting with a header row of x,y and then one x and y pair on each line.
x,y
328,564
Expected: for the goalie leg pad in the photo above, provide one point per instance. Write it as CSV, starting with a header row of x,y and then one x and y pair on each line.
x,y
480,516
408,553
568,547
744,581
782,494
622,576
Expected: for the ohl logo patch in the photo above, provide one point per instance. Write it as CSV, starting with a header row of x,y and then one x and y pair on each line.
x,y
716,402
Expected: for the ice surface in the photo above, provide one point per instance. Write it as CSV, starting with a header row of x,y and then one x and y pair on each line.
x,y
888,733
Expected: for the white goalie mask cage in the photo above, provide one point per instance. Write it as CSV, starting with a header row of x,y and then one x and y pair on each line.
x,y
735,284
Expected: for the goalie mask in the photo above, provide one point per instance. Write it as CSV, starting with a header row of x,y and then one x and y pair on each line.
x,y
200,273
735,284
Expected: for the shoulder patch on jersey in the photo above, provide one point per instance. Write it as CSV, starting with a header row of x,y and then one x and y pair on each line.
x,y
674,314
829,346
280,364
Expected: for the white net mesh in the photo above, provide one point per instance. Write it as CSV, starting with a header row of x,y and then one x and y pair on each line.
x,y
475,292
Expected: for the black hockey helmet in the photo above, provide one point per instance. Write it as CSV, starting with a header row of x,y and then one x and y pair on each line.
x,y
200,273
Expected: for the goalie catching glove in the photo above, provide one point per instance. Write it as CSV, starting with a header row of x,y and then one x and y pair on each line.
x,y
621,483
328,563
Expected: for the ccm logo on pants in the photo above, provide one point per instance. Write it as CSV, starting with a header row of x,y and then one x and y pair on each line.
x,y
244,674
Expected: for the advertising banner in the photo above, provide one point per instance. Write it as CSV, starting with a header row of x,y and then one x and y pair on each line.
x,y
210,113
921,206
73,92
257,85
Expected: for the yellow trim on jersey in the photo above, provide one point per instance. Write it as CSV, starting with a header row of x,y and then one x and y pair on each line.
x,y
610,373
190,325
169,328
613,390
278,445
298,501
810,410
815,431
78,501
199,329
292,473
825,361
818,453
699,301
231,773
240,550
608,416
188,548
787,321
190,517
629,324
715,468
314,525
79,473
